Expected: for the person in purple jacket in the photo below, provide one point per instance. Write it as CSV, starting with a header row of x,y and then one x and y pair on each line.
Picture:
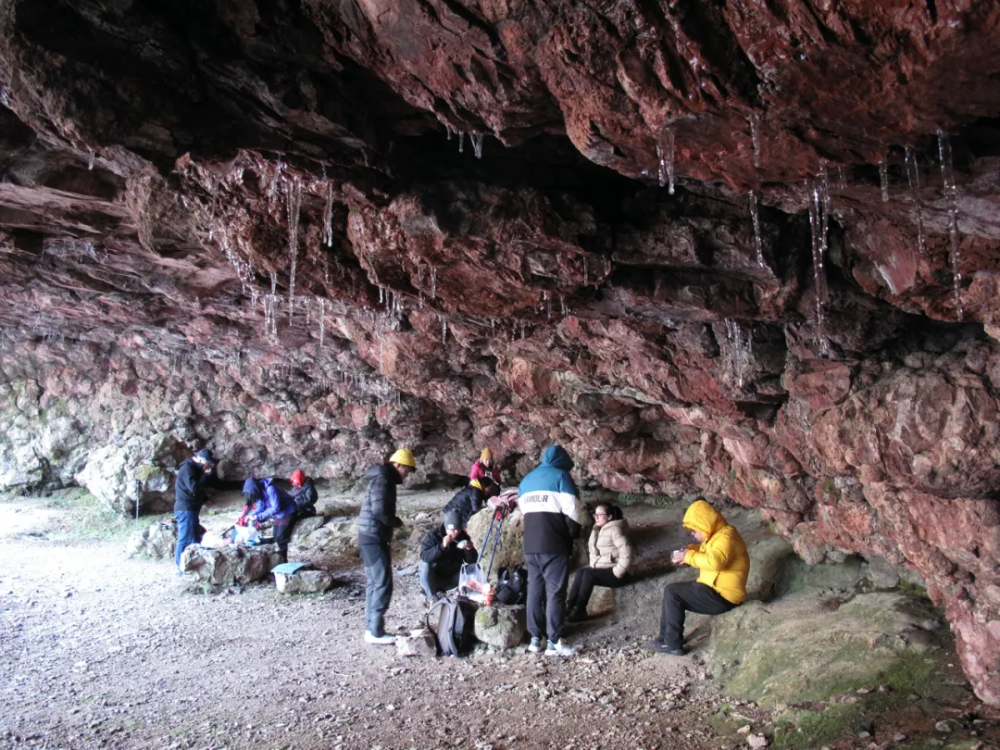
x,y
276,505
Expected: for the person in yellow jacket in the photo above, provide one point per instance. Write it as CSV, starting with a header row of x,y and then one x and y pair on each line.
x,y
721,556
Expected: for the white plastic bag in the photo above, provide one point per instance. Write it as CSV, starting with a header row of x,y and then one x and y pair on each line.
x,y
246,535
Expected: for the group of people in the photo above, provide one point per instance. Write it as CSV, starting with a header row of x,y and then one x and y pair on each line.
x,y
554,518
263,500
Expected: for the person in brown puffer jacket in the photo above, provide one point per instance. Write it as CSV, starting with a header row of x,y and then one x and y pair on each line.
x,y
610,557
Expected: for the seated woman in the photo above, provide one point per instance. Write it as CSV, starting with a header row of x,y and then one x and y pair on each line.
x,y
610,557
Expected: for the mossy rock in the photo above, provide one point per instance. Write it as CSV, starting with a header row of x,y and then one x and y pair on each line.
x,y
808,648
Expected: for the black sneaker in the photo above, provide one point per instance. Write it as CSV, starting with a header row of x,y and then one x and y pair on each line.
x,y
662,648
576,615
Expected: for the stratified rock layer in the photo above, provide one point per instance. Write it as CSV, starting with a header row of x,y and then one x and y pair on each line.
x,y
266,228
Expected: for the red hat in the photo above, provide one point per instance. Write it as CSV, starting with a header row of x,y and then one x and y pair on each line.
x,y
298,478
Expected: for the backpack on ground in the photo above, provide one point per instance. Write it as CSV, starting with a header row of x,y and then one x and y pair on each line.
x,y
512,585
455,627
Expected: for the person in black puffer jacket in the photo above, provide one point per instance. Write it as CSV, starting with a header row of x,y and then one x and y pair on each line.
x,y
375,525
193,476
471,499
442,552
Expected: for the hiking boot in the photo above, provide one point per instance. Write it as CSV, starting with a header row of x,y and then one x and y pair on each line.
x,y
662,648
379,640
560,649
536,645
576,615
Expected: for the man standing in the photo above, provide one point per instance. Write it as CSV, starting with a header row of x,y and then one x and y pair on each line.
x,y
722,558
193,476
553,515
442,553
375,525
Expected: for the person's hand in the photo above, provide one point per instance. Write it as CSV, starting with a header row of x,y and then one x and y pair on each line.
x,y
464,544
448,539
678,557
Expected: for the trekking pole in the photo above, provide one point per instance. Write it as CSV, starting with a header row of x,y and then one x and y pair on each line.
x,y
502,514
486,539
138,496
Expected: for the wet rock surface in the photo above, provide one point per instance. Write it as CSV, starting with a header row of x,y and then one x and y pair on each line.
x,y
306,234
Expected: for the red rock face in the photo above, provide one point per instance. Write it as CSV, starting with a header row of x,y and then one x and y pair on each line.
x,y
266,228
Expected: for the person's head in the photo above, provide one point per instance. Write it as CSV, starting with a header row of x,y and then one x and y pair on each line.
x,y
298,478
205,458
403,462
602,515
486,457
702,520
453,523
251,491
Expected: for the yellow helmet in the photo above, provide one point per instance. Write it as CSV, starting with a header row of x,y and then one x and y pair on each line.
x,y
403,457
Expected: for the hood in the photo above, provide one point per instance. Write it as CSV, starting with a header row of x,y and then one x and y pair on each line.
x,y
556,455
251,489
620,523
701,516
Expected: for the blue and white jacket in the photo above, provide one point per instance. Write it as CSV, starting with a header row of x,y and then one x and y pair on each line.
x,y
553,514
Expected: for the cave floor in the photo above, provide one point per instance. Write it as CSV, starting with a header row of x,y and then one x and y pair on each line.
x,y
99,651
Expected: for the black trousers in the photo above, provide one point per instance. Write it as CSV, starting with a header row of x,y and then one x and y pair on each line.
x,y
378,585
585,580
692,596
282,533
547,579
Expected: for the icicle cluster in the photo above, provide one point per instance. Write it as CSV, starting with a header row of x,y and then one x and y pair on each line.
x,y
951,196
755,138
755,217
293,194
328,216
883,176
739,343
477,144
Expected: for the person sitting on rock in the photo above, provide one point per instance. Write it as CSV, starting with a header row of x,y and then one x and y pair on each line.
x,y
442,554
193,476
276,505
375,525
471,499
721,556
484,467
304,494
610,557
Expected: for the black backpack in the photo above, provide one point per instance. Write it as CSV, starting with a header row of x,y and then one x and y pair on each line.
x,y
305,503
455,625
512,585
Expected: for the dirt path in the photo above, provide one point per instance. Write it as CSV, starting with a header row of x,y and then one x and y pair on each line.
x,y
100,651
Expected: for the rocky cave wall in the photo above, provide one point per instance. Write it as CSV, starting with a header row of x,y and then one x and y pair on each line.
x,y
722,247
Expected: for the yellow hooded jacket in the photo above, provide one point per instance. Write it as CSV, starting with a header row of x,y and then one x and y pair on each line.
x,y
722,558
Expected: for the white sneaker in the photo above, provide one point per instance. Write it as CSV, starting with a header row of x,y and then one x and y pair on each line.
x,y
379,640
560,649
537,645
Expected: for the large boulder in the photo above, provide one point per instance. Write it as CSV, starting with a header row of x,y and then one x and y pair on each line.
x,y
303,582
501,626
114,472
156,541
418,643
324,535
229,565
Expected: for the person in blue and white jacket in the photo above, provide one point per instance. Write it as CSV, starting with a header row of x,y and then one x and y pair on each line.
x,y
553,518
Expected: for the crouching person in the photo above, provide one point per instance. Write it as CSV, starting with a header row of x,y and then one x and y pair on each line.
x,y
276,505
443,551
721,556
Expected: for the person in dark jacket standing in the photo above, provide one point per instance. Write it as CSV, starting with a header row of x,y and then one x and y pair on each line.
x,y
442,553
471,499
193,476
553,518
375,525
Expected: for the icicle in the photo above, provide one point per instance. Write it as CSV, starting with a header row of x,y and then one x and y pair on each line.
x,y
548,305
586,282
951,195
913,177
273,187
322,320
755,138
211,211
665,156
563,309
274,282
818,223
461,142
381,296
841,178
444,330
477,144
740,352
755,216
522,329
433,283
448,130
294,195
328,216
90,160
883,176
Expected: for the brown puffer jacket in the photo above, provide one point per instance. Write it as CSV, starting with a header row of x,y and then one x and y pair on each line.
x,y
610,547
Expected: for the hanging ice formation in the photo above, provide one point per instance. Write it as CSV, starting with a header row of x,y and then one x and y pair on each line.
x,y
883,176
477,144
755,216
272,189
294,196
328,216
211,210
740,350
448,130
755,138
563,309
665,157
951,196
322,320
90,160
433,283
913,178
819,219
461,142
585,271
444,330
